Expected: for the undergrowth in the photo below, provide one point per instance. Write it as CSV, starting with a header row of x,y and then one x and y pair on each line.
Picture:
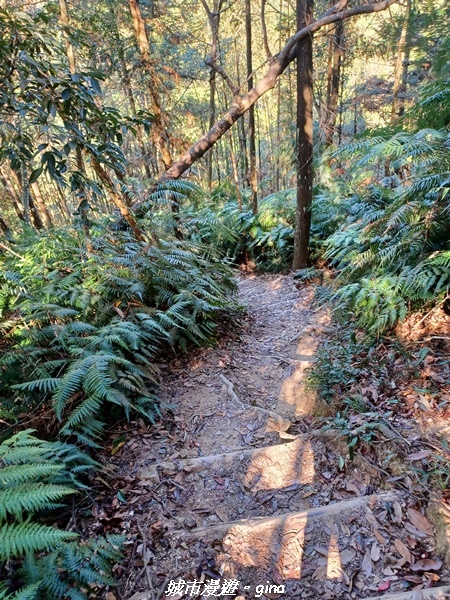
x,y
81,332
42,560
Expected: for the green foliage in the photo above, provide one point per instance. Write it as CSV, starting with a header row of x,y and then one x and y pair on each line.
x,y
50,118
239,235
390,241
82,331
35,478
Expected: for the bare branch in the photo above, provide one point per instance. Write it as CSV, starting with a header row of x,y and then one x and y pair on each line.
x,y
220,71
241,104
264,30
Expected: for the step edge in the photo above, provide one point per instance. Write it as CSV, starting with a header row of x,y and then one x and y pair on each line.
x,y
209,459
326,509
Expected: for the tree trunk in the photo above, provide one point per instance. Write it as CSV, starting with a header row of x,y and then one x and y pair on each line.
x,y
115,196
241,125
251,113
304,137
333,82
241,104
43,210
212,119
16,202
235,173
160,137
401,68
126,82
64,17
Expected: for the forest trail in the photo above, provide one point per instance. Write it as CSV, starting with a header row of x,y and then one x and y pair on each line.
x,y
244,487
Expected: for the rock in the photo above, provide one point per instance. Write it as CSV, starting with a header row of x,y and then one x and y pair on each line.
x,y
189,522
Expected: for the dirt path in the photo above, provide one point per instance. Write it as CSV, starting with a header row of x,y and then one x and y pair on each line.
x,y
243,487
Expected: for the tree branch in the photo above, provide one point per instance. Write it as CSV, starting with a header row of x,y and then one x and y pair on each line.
x,y
241,104
264,30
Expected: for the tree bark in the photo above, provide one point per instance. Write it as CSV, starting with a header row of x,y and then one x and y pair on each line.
x,y
39,201
241,104
16,202
401,68
104,177
159,133
64,17
253,177
333,82
304,137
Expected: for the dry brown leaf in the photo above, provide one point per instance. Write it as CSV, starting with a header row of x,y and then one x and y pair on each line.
x,y
367,565
413,531
347,556
420,522
320,573
420,455
426,564
375,552
398,514
436,377
403,550
380,538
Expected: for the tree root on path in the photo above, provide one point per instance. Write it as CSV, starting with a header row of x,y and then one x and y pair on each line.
x,y
282,424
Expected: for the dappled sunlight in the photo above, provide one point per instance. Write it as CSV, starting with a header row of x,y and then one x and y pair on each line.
x,y
276,285
334,563
294,394
281,466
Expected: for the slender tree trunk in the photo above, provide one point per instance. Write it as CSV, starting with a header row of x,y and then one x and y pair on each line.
x,y
251,113
235,173
16,202
241,104
64,17
401,68
160,137
304,137
116,198
212,119
241,124
39,201
333,82
126,82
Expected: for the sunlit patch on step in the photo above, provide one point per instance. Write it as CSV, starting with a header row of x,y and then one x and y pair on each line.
x,y
294,395
281,466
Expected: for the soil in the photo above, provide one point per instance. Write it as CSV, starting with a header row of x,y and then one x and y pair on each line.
x,y
239,488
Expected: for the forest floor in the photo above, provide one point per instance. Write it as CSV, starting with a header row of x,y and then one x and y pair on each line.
x,y
242,493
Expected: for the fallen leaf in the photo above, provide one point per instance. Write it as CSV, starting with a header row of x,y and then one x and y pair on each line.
x,y
426,564
375,552
367,564
347,556
398,514
380,538
436,377
413,579
413,531
403,551
420,455
420,522
384,586
417,595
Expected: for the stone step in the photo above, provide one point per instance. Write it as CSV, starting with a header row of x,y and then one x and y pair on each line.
x,y
256,482
343,550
